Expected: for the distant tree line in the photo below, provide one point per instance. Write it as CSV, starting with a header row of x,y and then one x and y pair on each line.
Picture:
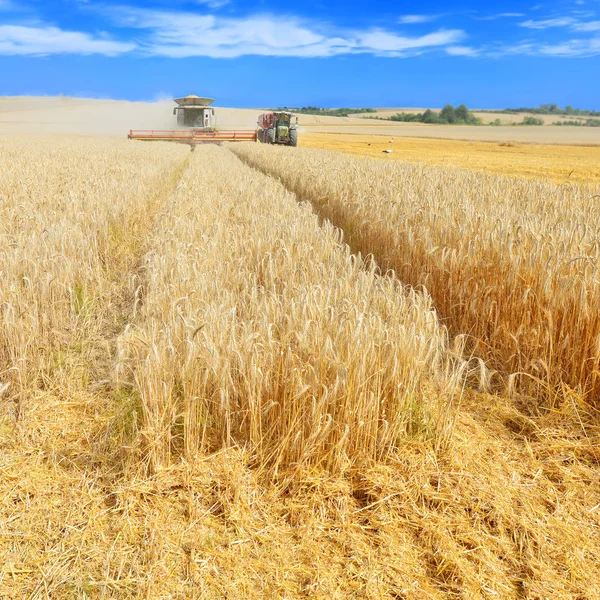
x,y
328,112
449,115
527,120
531,121
552,109
579,123
461,115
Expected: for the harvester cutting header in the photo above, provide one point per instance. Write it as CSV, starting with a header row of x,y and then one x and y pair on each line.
x,y
196,124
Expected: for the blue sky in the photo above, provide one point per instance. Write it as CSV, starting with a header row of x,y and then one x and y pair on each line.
x,y
325,53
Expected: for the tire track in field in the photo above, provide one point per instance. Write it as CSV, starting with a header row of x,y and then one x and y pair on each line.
x,y
130,272
477,377
340,223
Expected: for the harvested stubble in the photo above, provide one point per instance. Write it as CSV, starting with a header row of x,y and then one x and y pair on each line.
x,y
259,328
64,207
512,265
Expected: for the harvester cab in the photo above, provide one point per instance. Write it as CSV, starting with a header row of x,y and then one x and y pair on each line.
x,y
193,111
278,127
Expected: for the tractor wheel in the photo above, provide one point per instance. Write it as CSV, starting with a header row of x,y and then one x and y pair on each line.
x,y
260,136
271,136
293,137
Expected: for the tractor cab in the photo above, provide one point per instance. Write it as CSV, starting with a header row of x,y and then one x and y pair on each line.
x,y
278,127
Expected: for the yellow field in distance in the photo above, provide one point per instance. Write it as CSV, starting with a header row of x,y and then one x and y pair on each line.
x,y
558,163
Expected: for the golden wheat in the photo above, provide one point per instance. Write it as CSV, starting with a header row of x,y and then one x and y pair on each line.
x,y
544,160
512,264
235,272
67,210
259,328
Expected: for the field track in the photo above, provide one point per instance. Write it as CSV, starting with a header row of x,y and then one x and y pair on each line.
x,y
210,396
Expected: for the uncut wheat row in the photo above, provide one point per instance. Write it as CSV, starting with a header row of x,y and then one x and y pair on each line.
x,y
259,329
512,265
69,209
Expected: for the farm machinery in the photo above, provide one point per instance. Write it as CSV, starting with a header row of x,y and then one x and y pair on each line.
x,y
196,125
278,128
193,111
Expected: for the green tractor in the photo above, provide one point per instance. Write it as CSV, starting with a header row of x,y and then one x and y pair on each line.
x,y
279,127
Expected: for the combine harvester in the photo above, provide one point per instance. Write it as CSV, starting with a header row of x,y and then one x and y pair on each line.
x,y
196,120
197,125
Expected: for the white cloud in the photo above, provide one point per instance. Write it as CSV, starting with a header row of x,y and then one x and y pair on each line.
x,y
573,48
568,48
179,35
589,26
212,3
187,34
549,23
43,40
461,51
415,19
382,41
507,15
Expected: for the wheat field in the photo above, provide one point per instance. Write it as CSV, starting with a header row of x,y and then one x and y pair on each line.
x,y
546,159
259,329
205,392
511,264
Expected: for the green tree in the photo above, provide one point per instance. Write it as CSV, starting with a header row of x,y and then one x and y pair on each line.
x,y
532,121
448,114
462,113
429,117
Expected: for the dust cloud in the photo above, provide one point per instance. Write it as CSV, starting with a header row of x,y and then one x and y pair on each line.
x,y
102,117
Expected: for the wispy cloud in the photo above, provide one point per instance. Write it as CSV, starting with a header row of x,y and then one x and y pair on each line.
x,y
569,22
44,40
382,42
179,35
462,51
573,48
206,32
587,27
506,15
549,23
416,19
212,3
